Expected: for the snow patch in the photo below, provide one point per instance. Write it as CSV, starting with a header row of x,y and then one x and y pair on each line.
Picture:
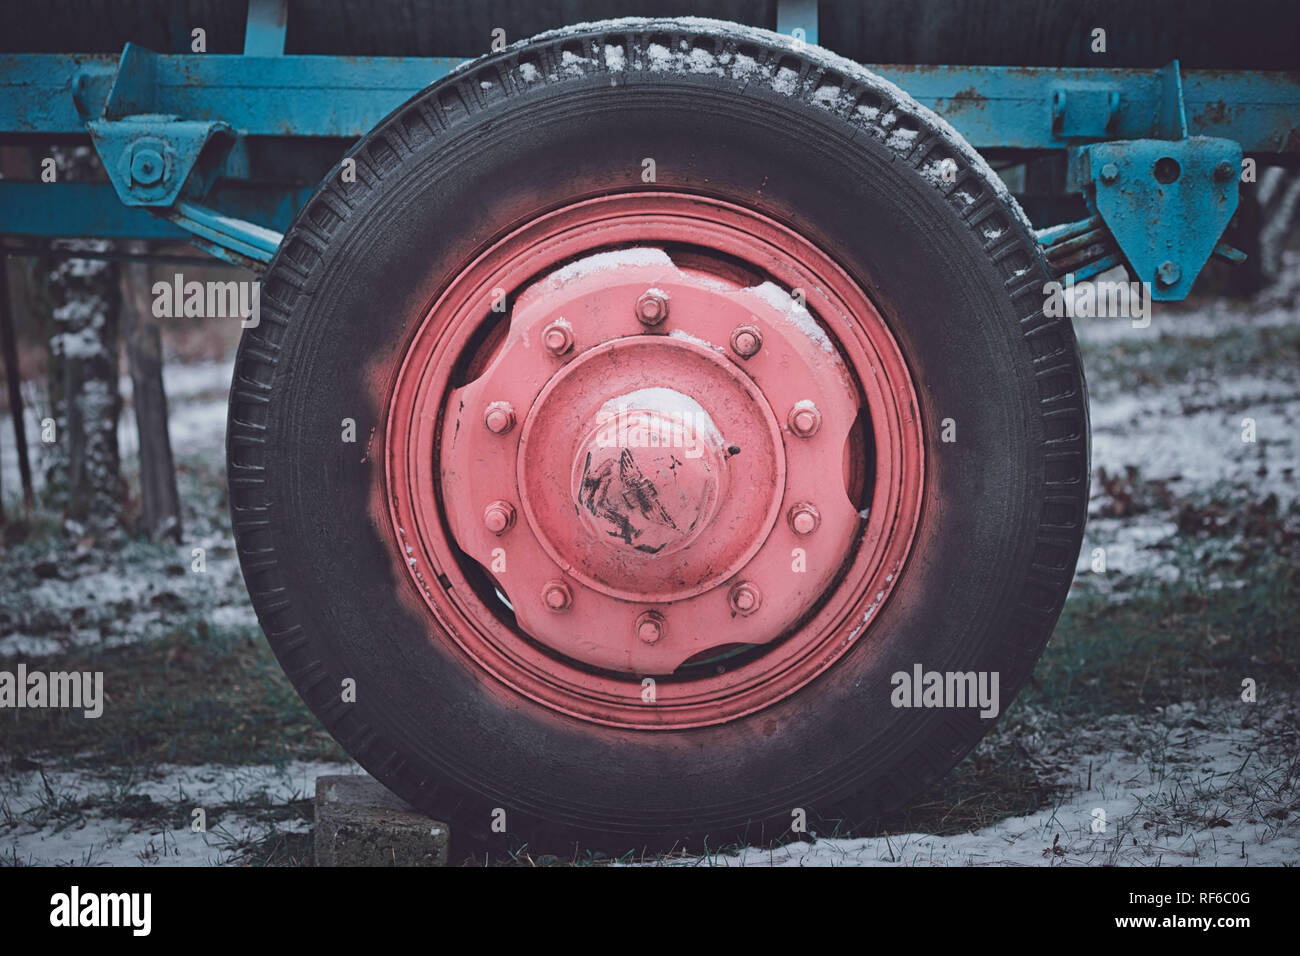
x,y
795,313
96,837
605,261
573,64
785,80
1202,790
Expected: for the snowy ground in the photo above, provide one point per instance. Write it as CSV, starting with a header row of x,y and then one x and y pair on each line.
x,y
1188,784
1179,500
1188,788
88,596
91,819
1184,434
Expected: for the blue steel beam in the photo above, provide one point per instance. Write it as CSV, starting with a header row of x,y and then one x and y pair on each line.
x,y
312,96
268,22
1012,107
52,210
323,96
797,15
237,241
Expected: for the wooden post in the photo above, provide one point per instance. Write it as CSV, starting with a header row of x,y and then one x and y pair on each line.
x,y
85,478
9,349
160,510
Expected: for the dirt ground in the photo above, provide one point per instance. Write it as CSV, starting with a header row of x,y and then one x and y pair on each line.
x,y
1133,744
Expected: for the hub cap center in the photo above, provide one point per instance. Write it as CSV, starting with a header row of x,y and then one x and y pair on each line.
x,y
650,473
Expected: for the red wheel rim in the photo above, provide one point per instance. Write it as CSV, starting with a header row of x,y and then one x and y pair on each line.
x,y
634,518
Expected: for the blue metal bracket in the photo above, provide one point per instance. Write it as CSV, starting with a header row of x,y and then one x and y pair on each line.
x,y
1166,202
1172,121
167,163
1084,110
268,21
150,158
797,18
149,155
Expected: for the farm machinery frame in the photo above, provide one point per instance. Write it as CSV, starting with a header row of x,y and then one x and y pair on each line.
x,y
180,137
702,385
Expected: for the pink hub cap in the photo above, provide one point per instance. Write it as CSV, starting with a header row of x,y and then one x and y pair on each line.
x,y
655,461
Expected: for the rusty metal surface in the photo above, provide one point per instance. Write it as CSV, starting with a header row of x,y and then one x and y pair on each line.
x,y
992,106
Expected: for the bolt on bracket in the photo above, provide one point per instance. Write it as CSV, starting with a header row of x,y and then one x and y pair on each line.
x,y
167,163
1166,202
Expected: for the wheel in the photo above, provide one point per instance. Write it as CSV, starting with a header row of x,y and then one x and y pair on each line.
x,y
700,388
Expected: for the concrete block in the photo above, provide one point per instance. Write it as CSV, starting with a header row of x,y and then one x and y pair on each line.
x,y
359,822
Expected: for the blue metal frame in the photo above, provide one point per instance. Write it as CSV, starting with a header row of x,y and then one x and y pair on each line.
x,y
991,106
267,24
174,133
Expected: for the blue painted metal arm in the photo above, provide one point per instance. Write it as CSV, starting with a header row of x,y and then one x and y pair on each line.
x,y
169,127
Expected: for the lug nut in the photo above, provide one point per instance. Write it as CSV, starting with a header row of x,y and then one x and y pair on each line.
x,y
650,627
804,419
499,516
652,307
557,596
746,340
745,598
558,337
499,418
804,518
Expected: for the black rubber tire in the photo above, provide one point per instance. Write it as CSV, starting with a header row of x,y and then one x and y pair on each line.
x,y
951,265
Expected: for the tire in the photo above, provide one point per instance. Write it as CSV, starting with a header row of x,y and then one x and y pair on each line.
x,y
810,141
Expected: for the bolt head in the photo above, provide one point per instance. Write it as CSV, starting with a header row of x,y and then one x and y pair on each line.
x,y
1109,173
557,596
558,337
499,516
146,166
804,419
1223,171
499,417
652,307
745,598
804,518
746,341
1168,273
650,627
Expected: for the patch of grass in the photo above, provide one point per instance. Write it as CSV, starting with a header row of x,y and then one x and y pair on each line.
x,y
281,849
274,847
1174,643
193,697
1248,350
